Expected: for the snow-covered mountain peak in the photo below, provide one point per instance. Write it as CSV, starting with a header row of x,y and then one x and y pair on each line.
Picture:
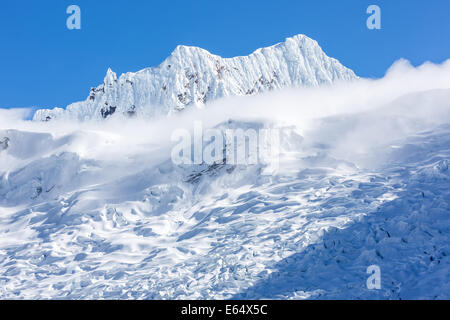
x,y
300,41
182,50
90,211
297,40
110,77
192,76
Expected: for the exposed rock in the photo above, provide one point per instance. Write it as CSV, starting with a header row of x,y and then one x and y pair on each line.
x,y
4,143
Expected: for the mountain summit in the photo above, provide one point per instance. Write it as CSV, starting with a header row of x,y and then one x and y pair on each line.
x,y
192,76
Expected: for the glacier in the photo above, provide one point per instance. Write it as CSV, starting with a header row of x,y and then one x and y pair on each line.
x,y
192,76
97,210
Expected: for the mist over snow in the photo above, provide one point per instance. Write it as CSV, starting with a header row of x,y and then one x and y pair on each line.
x,y
350,117
97,209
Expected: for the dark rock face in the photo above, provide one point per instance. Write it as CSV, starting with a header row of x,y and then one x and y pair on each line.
x,y
107,111
4,143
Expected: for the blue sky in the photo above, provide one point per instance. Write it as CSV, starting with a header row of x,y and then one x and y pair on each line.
x,y
44,64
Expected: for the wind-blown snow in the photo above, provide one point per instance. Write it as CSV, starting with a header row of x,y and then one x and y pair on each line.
x,y
98,210
192,76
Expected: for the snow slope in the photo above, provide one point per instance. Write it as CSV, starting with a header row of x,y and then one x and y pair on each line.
x,y
98,210
192,76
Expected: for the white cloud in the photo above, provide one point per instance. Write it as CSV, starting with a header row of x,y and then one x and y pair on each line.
x,y
367,113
